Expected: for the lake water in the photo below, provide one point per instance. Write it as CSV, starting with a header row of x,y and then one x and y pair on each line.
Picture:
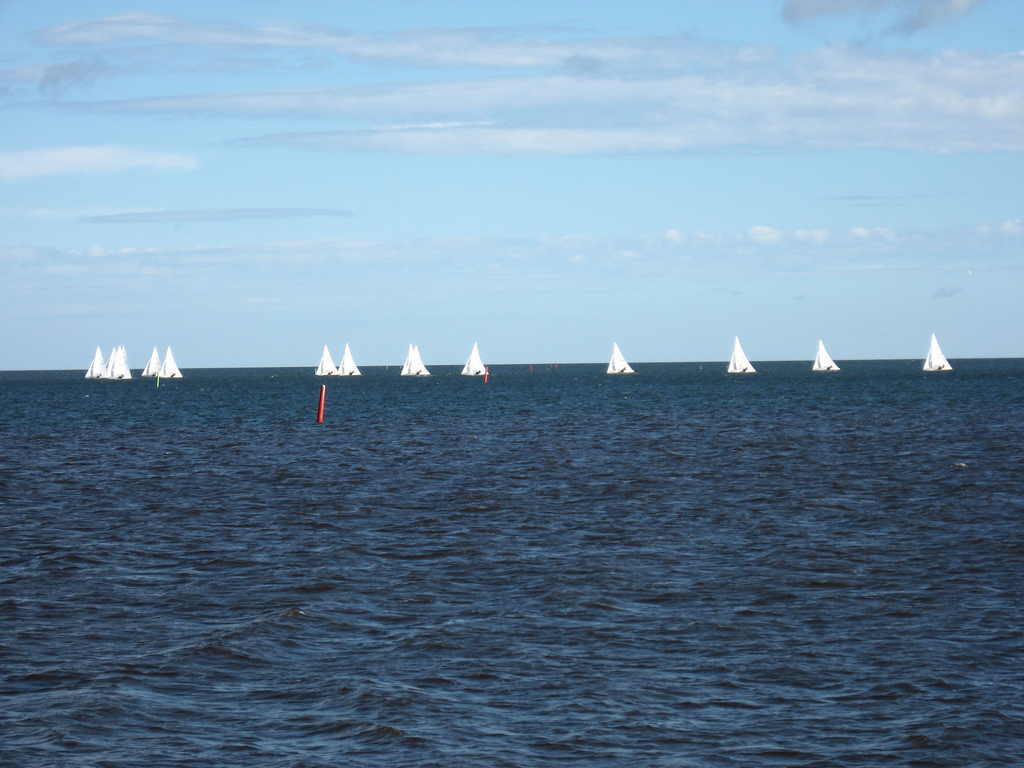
x,y
676,568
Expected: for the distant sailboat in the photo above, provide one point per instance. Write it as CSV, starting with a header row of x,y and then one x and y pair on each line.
x,y
326,367
153,366
413,364
739,362
348,364
618,362
474,366
111,362
936,361
97,368
117,365
169,370
823,362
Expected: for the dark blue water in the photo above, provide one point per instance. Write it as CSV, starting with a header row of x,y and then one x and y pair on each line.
x,y
677,568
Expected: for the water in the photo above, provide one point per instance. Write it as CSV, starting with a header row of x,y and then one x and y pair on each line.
x,y
677,568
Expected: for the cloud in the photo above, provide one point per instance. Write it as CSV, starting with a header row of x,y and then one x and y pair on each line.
x,y
914,15
816,236
210,214
532,92
33,163
655,258
486,48
58,78
764,235
832,98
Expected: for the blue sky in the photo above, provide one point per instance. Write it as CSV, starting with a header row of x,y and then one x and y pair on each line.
x,y
248,181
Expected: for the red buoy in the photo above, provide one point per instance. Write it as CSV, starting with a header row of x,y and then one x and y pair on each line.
x,y
487,372
320,410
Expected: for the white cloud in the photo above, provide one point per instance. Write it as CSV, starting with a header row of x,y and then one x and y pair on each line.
x,y
816,236
764,235
565,95
832,98
697,252
488,48
33,163
198,215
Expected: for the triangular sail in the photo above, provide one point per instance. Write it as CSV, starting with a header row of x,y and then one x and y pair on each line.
x,y
474,366
326,367
111,364
618,362
348,364
414,364
169,370
153,366
97,368
936,361
739,362
823,362
119,369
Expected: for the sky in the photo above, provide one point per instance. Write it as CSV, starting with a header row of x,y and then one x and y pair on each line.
x,y
249,181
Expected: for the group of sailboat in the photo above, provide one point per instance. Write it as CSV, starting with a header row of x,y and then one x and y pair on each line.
x,y
936,361
347,367
739,363
168,369
117,366
413,364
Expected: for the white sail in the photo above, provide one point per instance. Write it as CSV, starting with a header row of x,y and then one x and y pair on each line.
x,y
97,368
823,362
117,367
414,364
618,362
348,364
111,364
936,361
169,370
153,366
326,367
474,366
739,362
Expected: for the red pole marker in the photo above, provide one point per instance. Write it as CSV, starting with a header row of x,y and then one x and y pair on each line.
x,y
487,372
320,410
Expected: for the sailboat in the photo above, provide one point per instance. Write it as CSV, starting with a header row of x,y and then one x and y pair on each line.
x,y
153,366
474,366
97,368
618,362
823,362
326,367
109,372
936,361
117,365
169,370
413,364
739,362
348,364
